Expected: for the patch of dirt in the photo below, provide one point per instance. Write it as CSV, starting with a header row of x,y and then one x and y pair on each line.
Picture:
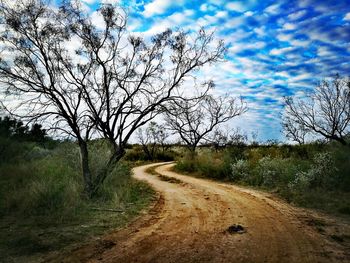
x,y
187,224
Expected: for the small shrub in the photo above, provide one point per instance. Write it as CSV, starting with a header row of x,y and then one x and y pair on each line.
x,y
166,156
240,170
301,182
269,170
320,175
135,154
186,165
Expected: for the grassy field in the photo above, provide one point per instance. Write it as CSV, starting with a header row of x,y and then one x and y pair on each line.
x,y
42,210
314,176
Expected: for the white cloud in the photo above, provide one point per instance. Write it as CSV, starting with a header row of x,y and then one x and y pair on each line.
x,y
204,8
181,18
237,47
97,20
300,43
221,14
235,22
272,9
347,17
260,31
301,77
249,13
283,74
296,15
324,52
284,37
279,51
236,6
207,7
89,2
133,24
158,7
108,1
289,26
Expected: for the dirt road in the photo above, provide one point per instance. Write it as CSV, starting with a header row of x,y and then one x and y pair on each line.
x,y
189,223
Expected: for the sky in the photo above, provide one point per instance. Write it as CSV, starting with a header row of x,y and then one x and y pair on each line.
x,y
275,48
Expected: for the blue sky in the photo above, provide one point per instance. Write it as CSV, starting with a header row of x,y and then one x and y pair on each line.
x,y
275,48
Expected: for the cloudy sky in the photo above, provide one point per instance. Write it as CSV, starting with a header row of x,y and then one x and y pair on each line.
x,y
275,48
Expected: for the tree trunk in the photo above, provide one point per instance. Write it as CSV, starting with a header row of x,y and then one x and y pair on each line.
x,y
338,139
192,150
147,152
342,141
84,155
113,161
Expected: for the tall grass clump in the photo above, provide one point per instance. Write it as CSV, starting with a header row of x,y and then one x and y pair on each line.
x,y
41,184
215,165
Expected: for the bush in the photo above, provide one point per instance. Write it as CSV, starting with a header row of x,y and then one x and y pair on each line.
x,y
135,154
240,170
269,171
322,174
187,165
216,166
12,151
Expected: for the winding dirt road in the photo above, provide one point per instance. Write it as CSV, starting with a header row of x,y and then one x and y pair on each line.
x,y
189,223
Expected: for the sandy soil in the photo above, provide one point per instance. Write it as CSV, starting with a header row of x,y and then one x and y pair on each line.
x,y
189,223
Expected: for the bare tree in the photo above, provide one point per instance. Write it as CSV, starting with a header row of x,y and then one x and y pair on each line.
x,y
238,138
126,84
96,78
254,138
325,111
163,138
294,131
152,138
193,122
219,138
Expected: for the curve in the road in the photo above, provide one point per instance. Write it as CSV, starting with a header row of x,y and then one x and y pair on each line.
x,y
190,220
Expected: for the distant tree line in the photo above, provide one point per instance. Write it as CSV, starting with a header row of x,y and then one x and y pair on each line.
x,y
15,129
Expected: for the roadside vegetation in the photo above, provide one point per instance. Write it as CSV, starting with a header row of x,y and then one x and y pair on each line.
x,y
311,175
42,208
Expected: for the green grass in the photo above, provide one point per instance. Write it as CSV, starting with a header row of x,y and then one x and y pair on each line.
x,y
215,165
332,202
28,239
43,211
